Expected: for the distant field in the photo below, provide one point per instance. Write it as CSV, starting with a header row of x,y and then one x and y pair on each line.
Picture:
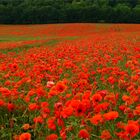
x,y
15,36
70,82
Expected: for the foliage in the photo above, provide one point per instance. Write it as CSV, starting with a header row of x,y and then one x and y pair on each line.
x,y
61,11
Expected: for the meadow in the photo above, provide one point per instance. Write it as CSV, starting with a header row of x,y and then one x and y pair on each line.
x,y
70,82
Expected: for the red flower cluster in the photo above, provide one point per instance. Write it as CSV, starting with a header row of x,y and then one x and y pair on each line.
x,y
85,87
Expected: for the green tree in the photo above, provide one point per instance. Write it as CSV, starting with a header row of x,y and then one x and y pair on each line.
x,y
55,11
122,13
136,14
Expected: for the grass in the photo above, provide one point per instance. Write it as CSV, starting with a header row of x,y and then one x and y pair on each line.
x,y
52,42
17,38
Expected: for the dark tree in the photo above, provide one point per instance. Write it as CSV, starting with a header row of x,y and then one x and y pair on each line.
x,y
62,11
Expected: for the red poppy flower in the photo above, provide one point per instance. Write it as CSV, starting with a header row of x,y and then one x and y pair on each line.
x,y
60,87
10,107
1,102
5,91
52,137
137,111
66,112
96,98
111,115
80,109
111,80
38,119
25,136
51,123
84,134
33,106
132,129
105,135
96,119
101,107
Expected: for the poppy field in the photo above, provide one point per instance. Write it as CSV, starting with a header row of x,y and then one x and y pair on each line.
x,y
70,82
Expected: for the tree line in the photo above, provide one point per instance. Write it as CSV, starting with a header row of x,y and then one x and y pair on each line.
x,y
69,11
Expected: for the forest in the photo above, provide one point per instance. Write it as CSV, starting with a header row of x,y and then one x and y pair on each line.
x,y
69,11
